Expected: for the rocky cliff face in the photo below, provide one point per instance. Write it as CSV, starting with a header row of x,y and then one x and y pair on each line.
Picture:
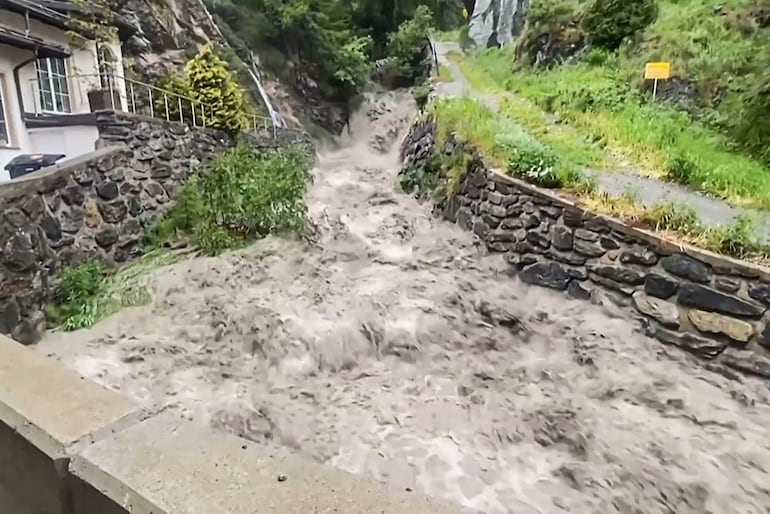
x,y
170,32
497,22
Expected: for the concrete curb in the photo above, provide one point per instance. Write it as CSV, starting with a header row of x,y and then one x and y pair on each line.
x,y
71,446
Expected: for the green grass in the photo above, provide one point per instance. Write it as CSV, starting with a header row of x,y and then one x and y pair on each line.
x,y
447,35
717,51
503,142
488,71
243,195
444,74
90,292
602,108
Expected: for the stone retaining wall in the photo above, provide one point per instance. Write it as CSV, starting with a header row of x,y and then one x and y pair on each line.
x,y
96,206
711,305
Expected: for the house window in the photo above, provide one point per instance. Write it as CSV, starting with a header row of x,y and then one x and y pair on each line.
x,y
5,139
52,82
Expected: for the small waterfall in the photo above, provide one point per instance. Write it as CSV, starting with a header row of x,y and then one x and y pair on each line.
x,y
275,116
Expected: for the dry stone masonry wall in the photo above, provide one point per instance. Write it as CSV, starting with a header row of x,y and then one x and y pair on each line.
x,y
96,206
712,306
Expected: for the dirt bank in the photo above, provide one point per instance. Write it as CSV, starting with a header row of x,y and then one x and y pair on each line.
x,y
392,346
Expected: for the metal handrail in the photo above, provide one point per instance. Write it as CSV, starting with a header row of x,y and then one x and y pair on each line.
x,y
130,98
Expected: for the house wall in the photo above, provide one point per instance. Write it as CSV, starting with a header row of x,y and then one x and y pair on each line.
x,y
83,61
10,57
71,141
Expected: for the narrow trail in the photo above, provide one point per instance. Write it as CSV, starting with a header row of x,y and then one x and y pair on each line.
x,y
395,347
647,190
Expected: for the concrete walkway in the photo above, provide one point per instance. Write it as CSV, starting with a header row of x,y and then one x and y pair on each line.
x,y
647,190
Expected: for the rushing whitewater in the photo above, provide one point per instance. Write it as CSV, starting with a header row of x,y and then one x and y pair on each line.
x,y
391,345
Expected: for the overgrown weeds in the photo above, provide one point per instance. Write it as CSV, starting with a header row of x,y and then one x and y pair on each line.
x,y
599,98
444,73
682,223
91,291
504,143
244,195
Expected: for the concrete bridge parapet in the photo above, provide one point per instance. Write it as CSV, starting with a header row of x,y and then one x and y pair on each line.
x,y
71,446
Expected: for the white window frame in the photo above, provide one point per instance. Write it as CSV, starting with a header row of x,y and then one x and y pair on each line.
x,y
7,142
52,80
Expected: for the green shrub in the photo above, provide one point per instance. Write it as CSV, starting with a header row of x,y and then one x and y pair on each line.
x,y
167,104
406,47
353,66
244,195
89,292
753,127
421,94
212,84
553,27
599,56
548,14
608,22
75,294
529,158
424,183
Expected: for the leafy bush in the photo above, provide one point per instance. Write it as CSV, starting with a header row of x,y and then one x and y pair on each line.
x,y
75,295
207,81
753,127
424,182
89,292
536,163
176,83
211,84
553,32
552,13
608,22
529,158
243,195
353,65
599,56
406,47
421,94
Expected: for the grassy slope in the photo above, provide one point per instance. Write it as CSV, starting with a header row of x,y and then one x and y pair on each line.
x,y
599,98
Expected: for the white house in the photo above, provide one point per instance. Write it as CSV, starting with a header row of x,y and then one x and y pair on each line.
x,y
47,74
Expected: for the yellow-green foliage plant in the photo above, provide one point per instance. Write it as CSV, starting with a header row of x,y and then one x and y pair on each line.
x,y
212,84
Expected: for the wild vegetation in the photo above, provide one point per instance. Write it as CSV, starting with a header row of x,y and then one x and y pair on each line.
x,y
506,144
708,128
208,82
334,41
91,291
244,195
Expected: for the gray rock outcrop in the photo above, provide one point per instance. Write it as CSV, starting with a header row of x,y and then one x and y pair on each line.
x,y
497,22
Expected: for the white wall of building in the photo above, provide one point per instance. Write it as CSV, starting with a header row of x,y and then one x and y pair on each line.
x,y
70,140
17,131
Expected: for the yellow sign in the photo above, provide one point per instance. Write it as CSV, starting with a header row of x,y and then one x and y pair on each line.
x,y
657,70
465,13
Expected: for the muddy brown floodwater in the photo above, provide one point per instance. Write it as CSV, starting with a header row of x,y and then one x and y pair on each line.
x,y
394,347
